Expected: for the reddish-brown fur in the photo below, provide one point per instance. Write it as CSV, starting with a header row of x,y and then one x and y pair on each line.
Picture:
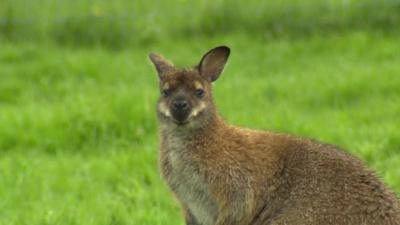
x,y
226,175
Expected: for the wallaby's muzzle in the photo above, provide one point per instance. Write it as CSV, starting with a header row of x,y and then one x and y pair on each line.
x,y
180,110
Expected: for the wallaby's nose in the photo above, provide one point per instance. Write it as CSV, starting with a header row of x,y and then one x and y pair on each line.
x,y
180,104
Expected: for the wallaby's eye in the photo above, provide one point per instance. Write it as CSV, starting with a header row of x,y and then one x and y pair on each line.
x,y
199,93
166,93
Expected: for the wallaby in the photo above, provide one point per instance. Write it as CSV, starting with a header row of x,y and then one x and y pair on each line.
x,y
227,175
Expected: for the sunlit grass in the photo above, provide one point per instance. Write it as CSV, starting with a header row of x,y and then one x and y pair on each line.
x,y
78,131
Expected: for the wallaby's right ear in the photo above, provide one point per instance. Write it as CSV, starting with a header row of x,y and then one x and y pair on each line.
x,y
213,62
162,65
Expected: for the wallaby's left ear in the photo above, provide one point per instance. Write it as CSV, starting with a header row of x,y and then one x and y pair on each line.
x,y
213,62
162,65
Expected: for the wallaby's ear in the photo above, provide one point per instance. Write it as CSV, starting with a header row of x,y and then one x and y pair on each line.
x,y
162,65
213,62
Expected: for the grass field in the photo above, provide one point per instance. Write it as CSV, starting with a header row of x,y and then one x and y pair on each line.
x,y
78,128
78,132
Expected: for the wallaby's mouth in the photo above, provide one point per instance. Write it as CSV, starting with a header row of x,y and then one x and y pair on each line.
x,y
180,117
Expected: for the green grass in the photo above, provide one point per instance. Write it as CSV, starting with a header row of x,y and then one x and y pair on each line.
x,y
78,130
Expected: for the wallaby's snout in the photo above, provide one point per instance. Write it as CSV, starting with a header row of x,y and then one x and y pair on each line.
x,y
180,109
180,104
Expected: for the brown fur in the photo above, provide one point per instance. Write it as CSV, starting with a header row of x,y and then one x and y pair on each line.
x,y
226,175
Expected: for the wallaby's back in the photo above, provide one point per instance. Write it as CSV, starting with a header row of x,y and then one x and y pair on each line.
x,y
325,185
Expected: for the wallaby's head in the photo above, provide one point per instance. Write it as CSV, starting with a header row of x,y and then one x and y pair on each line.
x,y
186,94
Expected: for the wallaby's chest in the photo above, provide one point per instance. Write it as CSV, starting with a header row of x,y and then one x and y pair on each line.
x,y
189,185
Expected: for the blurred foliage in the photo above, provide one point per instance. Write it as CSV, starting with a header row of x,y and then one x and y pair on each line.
x,y
121,22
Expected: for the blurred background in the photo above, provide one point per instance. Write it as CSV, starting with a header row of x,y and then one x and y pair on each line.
x,y
78,129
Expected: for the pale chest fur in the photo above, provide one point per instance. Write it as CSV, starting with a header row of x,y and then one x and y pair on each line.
x,y
187,183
